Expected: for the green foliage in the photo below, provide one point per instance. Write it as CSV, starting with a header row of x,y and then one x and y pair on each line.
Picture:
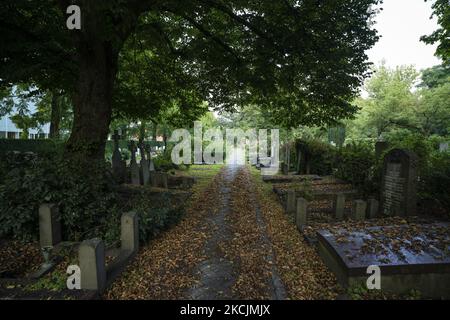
x,y
321,157
56,281
435,179
393,104
441,9
281,54
355,163
163,162
83,191
415,142
42,147
86,195
360,292
157,212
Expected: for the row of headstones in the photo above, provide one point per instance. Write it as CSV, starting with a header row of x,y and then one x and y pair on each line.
x,y
91,253
142,173
360,208
398,196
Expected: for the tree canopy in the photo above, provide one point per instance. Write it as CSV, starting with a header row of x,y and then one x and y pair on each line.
x,y
302,61
402,98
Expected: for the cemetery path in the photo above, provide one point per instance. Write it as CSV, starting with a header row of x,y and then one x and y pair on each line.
x,y
216,272
240,260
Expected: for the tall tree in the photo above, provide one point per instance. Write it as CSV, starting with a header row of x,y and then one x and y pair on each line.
x,y
305,56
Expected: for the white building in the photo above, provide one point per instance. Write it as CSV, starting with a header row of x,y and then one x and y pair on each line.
x,y
9,131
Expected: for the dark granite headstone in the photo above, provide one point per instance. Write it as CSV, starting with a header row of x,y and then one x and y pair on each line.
x,y
399,183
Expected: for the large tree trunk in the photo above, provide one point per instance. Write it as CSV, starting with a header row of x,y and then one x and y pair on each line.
x,y
93,99
55,118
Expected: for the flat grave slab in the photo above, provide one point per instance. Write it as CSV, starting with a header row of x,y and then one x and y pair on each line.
x,y
410,256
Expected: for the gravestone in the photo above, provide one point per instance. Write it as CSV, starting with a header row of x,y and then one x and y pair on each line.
x,y
290,202
339,206
444,147
118,165
129,234
159,180
373,207
399,183
151,165
134,167
49,225
91,259
164,180
359,210
144,167
301,218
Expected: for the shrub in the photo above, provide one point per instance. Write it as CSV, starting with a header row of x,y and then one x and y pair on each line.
x,y
157,212
321,156
83,190
43,147
86,194
435,181
414,142
355,163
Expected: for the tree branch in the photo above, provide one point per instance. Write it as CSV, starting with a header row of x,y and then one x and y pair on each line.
x,y
225,9
207,34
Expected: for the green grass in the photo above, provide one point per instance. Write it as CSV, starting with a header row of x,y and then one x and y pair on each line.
x,y
203,174
56,281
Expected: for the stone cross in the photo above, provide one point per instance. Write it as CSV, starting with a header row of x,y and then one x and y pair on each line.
x,y
134,167
151,165
133,149
142,150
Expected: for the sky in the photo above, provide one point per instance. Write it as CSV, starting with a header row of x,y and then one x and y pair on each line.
x,y
401,24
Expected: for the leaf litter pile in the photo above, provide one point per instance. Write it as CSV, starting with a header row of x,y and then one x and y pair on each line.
x,y
164,268
247,247
17,259
301,269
